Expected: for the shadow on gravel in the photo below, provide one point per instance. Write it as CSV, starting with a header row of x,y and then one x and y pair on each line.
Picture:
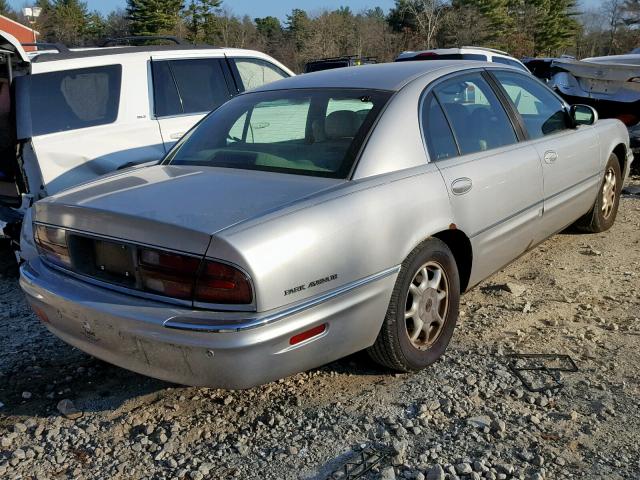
x,y
93,386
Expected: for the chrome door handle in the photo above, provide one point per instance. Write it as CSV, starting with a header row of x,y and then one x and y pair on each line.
x,y
550,156
460,186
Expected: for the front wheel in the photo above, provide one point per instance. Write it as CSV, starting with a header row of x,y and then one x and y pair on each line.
x,y
604,211
423,310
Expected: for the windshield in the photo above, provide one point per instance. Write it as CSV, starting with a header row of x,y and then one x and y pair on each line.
x,y
305,132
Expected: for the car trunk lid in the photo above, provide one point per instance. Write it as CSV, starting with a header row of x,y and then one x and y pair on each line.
x,y
174,207
602,77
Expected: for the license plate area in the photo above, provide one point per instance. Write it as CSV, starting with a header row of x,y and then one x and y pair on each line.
x,y
105,260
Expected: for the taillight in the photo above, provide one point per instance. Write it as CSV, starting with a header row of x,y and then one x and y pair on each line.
x,y
628,119
188,278
52,244
222,283
167,273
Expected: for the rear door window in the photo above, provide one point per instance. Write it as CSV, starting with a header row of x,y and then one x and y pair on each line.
x,y
477,117
436,130
188,86
74,99
255,72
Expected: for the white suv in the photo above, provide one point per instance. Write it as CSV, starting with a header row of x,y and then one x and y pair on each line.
x,y
463,53
71,116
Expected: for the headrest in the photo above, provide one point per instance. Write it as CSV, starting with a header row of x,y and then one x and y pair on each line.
x,y
341,124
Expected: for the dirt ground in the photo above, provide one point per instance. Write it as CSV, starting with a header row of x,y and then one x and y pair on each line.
x,y
468,416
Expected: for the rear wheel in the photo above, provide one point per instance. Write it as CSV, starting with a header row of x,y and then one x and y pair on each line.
x,y
423,310
603,214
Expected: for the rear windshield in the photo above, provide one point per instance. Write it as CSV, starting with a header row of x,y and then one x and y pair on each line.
x,y
73,99
305,132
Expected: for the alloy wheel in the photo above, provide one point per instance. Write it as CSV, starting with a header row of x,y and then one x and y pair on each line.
x,y
426,305
608,193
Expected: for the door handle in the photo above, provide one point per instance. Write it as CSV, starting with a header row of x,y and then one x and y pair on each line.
x,y
176,136
550,156
460,186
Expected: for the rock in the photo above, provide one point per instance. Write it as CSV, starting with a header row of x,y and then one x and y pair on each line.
x,y
498,426
388,473
26,395
464,468
515,289
526,308
436,473
19,454
481,421
68,409
6,441
19,428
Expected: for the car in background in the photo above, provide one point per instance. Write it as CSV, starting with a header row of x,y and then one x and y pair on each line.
x,y
541,66
337,62
318,216
75,114
463,53
609,84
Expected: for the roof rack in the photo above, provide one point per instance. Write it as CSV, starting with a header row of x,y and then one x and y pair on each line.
x,y
60,47
494,50
342,57
141,38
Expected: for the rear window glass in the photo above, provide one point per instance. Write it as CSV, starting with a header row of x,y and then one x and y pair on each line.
x,y
306,132
188,86
509,61
74,99
255,72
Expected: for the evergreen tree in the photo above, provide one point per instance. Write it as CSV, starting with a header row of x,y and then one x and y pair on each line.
x,y
199,16
153,17
63,21
5,9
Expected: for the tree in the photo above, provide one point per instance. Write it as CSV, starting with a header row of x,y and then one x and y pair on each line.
x,y
64,21
5,9
153,17
199,16
422,17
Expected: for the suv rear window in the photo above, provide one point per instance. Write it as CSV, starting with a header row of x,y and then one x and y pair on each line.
x,y
74,99
188,86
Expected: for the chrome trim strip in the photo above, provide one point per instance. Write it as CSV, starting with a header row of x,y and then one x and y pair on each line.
x,y
179,323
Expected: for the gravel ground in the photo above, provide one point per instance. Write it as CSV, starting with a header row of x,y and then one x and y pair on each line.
x,y
65,415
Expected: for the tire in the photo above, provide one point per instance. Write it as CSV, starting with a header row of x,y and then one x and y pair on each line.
x,y
603,213
393,347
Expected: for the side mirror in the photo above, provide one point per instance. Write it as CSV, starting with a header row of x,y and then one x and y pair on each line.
x,y
583,115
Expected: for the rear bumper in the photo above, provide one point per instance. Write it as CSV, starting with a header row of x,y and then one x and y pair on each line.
x,y
133,333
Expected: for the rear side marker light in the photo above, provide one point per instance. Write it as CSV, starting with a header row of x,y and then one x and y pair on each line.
x,y
40,314
313,332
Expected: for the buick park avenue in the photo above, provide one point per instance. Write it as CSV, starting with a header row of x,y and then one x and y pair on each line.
x,y
318,216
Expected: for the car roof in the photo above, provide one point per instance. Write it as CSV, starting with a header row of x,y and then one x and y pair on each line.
x,y
379,76
49,56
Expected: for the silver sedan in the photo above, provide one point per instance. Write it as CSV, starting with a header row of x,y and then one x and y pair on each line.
x,y
318,216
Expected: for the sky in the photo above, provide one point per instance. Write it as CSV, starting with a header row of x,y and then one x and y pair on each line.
x,y
262,8
277,8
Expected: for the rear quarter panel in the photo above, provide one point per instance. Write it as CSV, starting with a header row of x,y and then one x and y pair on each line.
x,y
361,229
